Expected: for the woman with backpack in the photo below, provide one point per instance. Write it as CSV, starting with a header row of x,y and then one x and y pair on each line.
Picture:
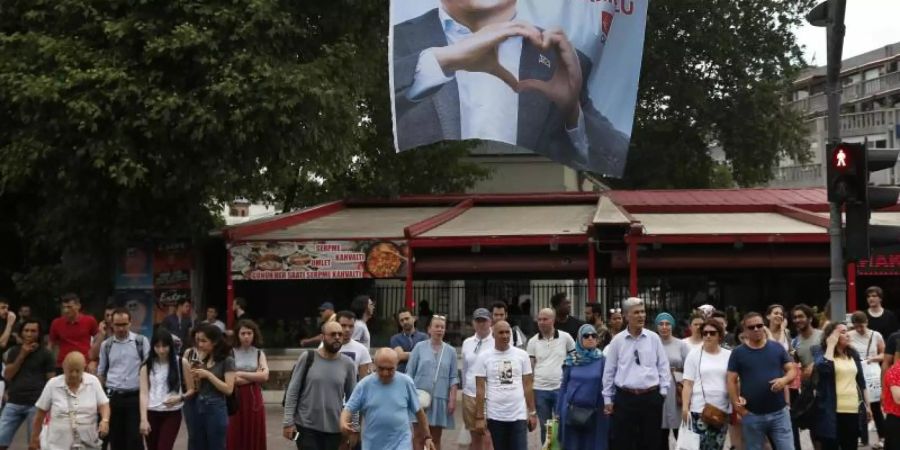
x,y
212,367
247,427
161,396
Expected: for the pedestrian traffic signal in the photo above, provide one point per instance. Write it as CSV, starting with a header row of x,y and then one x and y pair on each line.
x,y
846,172
860,235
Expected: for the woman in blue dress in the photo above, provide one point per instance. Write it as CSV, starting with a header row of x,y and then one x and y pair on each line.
x,y
581,394
432,366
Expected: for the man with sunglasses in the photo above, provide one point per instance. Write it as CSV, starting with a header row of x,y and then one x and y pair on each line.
x,y
636,380
765,370
312,405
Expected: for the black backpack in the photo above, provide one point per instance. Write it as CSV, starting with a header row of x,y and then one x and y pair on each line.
x,y
307,363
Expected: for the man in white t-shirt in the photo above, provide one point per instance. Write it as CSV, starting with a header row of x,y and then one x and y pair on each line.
x,y
354,350
504,376
547,350
479,343
364,308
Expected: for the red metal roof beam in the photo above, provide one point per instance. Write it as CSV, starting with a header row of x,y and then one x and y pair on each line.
x,y
281,221
802,215
433,222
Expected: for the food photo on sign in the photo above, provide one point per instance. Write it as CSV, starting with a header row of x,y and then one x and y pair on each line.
x,y
555,77
318,260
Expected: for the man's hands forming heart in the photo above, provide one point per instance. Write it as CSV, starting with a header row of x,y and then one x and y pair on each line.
x,y
479,53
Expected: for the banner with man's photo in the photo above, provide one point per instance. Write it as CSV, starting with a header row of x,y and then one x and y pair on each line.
x,y
558,77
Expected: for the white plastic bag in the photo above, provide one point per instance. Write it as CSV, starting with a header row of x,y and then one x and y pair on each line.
x,y
872,374
687,438
464,438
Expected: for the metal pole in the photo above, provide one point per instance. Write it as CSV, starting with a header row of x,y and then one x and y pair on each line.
x,y
835,33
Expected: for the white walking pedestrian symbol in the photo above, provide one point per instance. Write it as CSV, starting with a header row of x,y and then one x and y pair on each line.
x,y
841,159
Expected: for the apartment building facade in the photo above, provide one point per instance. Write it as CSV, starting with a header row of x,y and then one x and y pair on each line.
x,y
870,111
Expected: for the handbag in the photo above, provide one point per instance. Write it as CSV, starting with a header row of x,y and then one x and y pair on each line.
x,y
688,439
425,396
711,415
579,416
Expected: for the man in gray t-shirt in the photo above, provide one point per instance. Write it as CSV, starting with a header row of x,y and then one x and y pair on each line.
x,y
314,410
807,337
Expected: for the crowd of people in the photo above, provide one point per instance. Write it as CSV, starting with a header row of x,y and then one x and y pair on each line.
x,y
603,383
110,388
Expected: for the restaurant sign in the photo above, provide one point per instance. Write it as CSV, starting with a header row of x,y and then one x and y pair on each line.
x,y
879,264
318,260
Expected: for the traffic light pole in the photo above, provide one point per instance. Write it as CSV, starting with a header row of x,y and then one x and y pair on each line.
x,y
837,284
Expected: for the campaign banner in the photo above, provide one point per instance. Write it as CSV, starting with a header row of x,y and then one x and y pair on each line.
x,y
558,77
318,260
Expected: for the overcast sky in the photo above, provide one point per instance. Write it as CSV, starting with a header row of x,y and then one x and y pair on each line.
x,y
870,24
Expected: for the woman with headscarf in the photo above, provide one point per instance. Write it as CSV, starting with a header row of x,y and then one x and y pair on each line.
x,y
579,406
677,351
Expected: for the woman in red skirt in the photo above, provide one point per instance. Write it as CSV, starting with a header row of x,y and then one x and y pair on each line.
x,y
247,427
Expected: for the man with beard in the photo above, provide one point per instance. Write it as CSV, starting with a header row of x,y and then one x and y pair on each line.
x,y
316,392
404,341
636,380
801,345
28,367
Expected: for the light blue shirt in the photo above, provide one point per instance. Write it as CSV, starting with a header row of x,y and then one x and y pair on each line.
x,y
622,368
421,365
386,409
488,107
124,362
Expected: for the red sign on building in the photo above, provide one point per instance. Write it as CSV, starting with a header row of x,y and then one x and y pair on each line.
x,y
888,264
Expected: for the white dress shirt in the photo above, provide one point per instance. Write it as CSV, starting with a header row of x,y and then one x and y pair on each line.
x,y
622,368
488,107
471,348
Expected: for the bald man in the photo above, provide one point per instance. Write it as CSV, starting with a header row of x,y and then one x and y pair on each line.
x,y
386,402
547,350
320,383
504,375
89,395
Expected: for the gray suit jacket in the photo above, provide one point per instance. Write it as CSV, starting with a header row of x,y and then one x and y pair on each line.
x,y
541,125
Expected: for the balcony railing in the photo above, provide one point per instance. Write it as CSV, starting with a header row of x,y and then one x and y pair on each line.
x,y
869,119
819,103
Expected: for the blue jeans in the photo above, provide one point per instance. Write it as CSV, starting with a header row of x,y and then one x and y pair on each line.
x,y
11,420
509,435
776,425
545,404
210,424
188,412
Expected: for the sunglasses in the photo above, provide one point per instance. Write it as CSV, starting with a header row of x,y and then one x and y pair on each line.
x,y
710,333
637,357
438,316
758,326
590,336
615,310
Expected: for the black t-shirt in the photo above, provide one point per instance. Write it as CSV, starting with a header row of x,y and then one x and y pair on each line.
x,y
890,346
886,324
27,385
571,326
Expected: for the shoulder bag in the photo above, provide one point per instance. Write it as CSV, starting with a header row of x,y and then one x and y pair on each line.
x,y
231,401
425,396
579,416
711,414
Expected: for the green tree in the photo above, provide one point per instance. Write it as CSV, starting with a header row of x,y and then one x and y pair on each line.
x,y
133,120
715,73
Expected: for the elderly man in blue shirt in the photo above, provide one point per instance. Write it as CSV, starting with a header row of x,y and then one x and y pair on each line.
x,y
636,379
121,357
386,401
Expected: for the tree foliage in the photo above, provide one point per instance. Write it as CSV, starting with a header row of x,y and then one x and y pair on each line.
x,y
132,120
715,74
